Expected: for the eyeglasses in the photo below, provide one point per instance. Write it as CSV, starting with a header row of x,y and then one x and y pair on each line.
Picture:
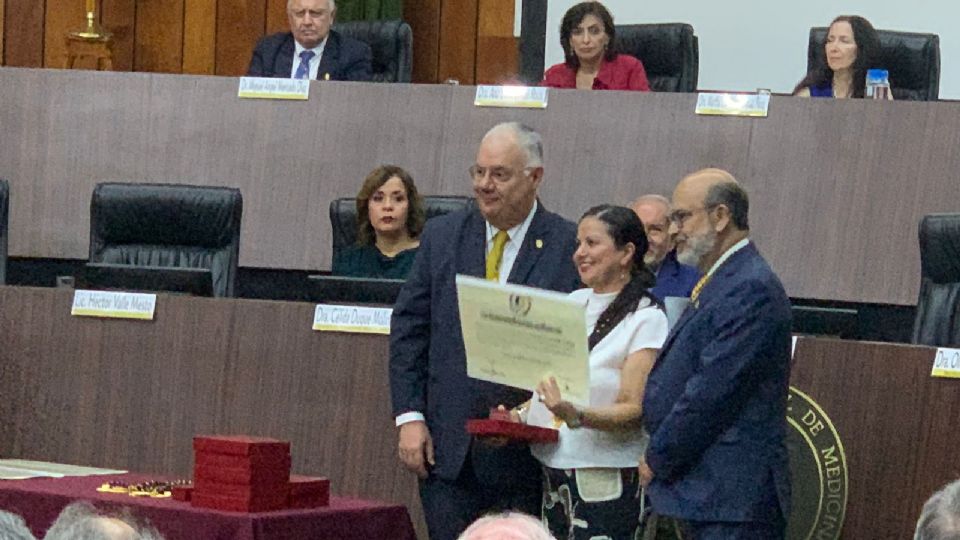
x,y
499,174
679,217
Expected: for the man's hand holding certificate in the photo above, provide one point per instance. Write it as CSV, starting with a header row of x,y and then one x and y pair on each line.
x,y
517,336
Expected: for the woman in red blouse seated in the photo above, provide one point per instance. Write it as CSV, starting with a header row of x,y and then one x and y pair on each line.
x,y
591,62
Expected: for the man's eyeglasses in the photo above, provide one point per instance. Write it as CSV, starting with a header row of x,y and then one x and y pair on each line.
x,y
679,217
498,174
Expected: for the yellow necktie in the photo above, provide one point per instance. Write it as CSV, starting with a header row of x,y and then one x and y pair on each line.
x,y
496,255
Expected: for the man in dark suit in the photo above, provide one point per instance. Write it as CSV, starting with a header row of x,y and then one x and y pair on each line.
x,y
508,237
715,402
311,50
673,278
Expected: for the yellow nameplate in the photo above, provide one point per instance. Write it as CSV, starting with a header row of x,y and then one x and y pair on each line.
x,y
525,97
267,88
354,319
946,363
113,305
733,104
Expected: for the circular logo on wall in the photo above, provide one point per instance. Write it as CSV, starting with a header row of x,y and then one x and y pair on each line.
x,y
818,469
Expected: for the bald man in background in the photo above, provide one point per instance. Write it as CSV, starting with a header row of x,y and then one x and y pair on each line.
x,y
716,399
673,278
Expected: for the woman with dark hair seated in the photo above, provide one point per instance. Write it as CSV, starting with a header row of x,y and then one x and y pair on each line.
x,y
851,48
591,61
390,217
591,482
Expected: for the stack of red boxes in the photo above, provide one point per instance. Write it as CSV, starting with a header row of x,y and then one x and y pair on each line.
x,y
240,474
251,474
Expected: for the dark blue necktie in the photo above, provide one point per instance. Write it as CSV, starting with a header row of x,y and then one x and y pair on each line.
x,y
303,70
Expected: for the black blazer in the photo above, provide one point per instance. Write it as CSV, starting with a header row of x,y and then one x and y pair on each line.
x,y
343,59
428,371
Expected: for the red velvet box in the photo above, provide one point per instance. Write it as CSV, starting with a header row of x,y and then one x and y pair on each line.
x,y
242,445
512,430
308,492
274,501
181,493
240,490
204,460
255,476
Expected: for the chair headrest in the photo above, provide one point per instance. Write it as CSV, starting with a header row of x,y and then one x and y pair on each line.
x,y
940,247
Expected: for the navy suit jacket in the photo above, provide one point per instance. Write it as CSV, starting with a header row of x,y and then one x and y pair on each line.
x,y
715,401
674,279
343,59
428,371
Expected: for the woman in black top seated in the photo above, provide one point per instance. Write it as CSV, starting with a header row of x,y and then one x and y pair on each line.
x,y
852,46
390,216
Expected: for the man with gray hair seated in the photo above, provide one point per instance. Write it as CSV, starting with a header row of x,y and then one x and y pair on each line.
x,y
940,518
12,527
81,521
506,526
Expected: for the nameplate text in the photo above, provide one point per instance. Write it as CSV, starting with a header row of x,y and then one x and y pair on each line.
x,y
719,104
523,97
269,88
946,363
113,305
354,319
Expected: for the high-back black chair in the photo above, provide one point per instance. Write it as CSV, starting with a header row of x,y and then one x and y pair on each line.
x,y
343,215
392,45
912,60
670,53
4,208
168,225
938,307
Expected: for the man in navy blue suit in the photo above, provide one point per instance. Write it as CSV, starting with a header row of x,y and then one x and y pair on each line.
x,y
311,50
673,278
715,402
462,478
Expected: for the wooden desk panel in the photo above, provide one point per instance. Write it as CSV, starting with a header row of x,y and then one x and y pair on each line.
x,y
837,186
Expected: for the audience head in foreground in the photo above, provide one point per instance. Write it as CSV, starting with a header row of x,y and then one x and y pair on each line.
x,y
654,212
851,48
940,518
709,216
506,526
390,217
591,61
12,527
81,521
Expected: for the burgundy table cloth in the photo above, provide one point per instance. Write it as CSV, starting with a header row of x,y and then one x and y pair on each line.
x,y
40,500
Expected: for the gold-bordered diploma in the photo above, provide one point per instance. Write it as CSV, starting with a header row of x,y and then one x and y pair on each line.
x,y
517,335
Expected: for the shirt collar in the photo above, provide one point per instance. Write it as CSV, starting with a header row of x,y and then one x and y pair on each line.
x,y
317,51
727,254
516,232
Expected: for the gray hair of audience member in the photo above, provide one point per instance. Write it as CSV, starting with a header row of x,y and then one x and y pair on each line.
x,y
652,198
506,526
81,521
731,195
12,527
529,140
940,517
333,5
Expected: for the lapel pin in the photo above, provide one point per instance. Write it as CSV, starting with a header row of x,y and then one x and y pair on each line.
x,y
539,243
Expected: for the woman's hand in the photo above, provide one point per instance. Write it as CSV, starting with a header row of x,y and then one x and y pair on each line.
x,y
549,393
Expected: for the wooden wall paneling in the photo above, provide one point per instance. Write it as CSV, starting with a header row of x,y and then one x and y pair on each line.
x,y
423,16
240,24
497,48
62,17
458,41
159,36
276,17
119,17
200,37
23,33
2,6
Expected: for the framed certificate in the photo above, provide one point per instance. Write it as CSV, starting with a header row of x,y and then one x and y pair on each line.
x,y
517,335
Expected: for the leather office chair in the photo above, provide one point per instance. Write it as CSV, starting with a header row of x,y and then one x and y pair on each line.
x,y
168,225
938,309
343,215
912,59
670,53
4,207
392,45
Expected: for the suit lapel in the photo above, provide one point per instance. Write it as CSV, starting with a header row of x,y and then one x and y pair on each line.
x,y
328,61
284,61
473,256
534,242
